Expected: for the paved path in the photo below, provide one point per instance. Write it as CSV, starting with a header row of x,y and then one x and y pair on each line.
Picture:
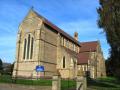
x,y
22,87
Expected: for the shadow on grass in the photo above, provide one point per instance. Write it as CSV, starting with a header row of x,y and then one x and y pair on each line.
x,y
111,80
99,83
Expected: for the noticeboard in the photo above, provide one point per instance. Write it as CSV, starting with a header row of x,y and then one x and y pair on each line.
x,y
39,68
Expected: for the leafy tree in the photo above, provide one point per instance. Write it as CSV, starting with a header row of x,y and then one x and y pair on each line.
x,y
1,65
8,69
109,20
11,68
108,68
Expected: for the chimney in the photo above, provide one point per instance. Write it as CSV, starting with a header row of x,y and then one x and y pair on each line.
x,y
76,36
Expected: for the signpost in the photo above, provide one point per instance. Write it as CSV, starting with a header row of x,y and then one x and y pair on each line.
x,y
38,69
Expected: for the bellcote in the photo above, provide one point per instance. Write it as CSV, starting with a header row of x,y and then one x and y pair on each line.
x,y
76,36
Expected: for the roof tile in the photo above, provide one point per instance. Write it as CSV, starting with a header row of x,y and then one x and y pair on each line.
x,y
57,29
83,58
88,46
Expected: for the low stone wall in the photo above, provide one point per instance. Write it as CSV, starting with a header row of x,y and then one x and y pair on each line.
x,y
23,87
81,83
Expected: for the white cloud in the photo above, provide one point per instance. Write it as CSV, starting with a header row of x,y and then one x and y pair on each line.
x,y
88,31
84,28
77,15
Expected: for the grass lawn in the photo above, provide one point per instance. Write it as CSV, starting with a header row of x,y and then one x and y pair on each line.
x,y
108,83
65,84
68,84
41,82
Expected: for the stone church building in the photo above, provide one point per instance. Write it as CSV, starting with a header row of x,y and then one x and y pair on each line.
x,y
91,60
39,42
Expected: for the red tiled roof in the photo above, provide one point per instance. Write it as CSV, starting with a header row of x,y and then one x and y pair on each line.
x,y
83,58
88,46
58,29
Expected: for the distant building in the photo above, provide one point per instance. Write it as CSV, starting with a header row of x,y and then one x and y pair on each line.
x,y
91,60
39,42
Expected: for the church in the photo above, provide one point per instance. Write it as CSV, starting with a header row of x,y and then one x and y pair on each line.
x,y
41,43
91,60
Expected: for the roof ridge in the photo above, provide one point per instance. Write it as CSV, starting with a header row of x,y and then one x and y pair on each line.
x,y
89,42
46,21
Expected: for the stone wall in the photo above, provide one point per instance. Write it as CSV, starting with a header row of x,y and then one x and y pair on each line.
x,y
47,50
70,70
30,25
96,64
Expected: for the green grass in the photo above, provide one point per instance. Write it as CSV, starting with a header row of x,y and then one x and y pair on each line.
x,y
41,82
108,83
5,79
66,84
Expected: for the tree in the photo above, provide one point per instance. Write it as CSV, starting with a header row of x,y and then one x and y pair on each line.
x,y
109,20
1,66
12,67
8,69
108,68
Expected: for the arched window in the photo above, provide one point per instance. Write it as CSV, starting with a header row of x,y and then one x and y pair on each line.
x,y
31,54
64,62
28,46
24,53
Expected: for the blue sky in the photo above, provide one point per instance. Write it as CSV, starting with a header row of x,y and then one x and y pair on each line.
x,y
69,15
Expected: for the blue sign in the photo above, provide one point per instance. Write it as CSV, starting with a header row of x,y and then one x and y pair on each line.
x,y
39,68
